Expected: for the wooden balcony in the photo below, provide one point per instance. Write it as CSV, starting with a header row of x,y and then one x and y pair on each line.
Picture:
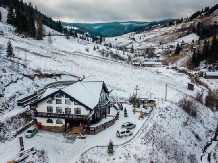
x,y
62,116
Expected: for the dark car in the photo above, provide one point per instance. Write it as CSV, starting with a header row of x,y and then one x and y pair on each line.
x,y
128,125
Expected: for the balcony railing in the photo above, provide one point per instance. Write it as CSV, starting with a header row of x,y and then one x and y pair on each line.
x,y
102,106
62,116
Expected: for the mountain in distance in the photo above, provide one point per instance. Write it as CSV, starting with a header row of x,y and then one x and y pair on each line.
x,y
112,28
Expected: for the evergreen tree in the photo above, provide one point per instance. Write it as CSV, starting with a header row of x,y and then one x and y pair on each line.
x,y
11,16
9,50
39,27
213,48
21,6
132,49
178,49
0,16
76,34
59,26
216,55
100,39
31,22
194,56
205,51
198,58
19,22
110,147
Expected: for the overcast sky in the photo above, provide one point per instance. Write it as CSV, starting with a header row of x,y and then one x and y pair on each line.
x,y
87,11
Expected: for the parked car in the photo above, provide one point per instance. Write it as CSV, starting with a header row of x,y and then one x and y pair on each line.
x,y
31,132
123,133
128,125
81,136
151,103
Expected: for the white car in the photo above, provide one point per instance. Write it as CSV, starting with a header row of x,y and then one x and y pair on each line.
x,y
123,133
128,125
31,132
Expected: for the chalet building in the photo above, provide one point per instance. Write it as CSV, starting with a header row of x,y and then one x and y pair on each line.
x,y
211,75
152,64
84,102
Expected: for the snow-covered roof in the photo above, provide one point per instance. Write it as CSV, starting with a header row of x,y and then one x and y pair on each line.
x,y
212,73
49,91
91,78
87,93
155,63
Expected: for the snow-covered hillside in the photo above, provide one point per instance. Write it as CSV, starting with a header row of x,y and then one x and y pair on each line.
x,y
163,137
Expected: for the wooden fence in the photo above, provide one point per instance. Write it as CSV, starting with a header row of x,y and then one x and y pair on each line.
x,y
98,129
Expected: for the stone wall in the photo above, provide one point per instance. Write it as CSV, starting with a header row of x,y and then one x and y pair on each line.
x,y
54,128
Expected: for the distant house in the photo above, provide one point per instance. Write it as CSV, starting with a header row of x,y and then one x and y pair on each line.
x,y
211,75
152,64
84,102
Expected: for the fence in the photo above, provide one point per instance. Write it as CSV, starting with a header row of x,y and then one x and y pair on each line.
x,y
21,129
117,145
97,129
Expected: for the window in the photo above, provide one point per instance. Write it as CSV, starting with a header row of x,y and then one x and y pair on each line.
x,y
58,101
49,101
59,121
49,109
77,111
58,96
68,101
49,121
58,109
67,110
76,103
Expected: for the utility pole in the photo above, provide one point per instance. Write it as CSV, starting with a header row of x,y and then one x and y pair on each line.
x,y
166,93
136,91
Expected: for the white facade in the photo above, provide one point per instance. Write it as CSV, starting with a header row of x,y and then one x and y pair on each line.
x,y
69,108
42,107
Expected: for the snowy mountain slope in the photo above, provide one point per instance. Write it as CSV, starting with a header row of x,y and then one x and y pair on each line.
x,y
164,138
71,57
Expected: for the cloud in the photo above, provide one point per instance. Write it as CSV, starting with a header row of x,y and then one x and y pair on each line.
x,y
119,10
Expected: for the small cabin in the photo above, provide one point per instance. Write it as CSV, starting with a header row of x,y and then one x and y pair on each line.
x,y
211,75
190,87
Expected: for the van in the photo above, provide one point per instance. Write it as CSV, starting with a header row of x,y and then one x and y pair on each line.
x,y
123,133
31,132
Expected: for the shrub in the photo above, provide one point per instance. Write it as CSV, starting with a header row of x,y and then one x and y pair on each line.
x,y
189,106
199,97
212,100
